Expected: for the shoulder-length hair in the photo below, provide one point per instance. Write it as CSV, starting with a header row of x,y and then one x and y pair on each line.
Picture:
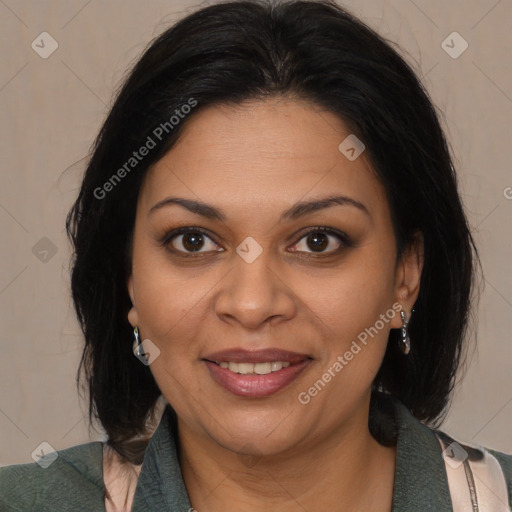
x,y
245,50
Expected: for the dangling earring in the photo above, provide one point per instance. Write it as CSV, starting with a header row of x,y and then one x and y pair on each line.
x,y
405,341
137,347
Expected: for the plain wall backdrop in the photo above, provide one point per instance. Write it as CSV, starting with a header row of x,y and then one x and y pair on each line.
x,y
52,108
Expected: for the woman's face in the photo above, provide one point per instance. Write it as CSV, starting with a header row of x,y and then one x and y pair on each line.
x,y
255,282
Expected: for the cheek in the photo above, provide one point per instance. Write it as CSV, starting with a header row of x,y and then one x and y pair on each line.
x,y
352,296
169,306
167,294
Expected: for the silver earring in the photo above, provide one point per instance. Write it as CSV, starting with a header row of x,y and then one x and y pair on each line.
x,y
405,341
136,342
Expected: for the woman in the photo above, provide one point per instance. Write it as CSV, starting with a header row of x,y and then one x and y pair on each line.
x,y
270,245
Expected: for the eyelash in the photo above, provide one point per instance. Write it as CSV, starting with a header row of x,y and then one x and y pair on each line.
x,y
165,242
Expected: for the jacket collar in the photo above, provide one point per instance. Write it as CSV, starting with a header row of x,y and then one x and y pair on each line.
x,y
160,485
420,475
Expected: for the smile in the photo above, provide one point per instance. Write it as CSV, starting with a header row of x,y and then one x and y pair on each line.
x,y
255,368
255,374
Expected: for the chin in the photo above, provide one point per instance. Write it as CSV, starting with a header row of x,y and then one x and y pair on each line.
x,y
257,436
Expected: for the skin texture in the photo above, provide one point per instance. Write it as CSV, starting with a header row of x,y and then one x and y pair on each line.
x,y
254,161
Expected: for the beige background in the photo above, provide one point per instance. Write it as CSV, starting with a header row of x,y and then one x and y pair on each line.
x,y
52,108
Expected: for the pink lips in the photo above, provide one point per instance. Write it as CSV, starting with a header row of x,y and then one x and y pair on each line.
x,y
252,385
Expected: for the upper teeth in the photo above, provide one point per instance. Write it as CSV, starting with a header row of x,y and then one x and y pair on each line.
x,y
258,368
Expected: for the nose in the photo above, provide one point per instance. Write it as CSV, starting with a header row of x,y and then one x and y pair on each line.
x,y
255,293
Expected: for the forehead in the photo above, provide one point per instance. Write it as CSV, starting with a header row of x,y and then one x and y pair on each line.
x,y
266,153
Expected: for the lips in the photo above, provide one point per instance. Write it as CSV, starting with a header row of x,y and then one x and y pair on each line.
x,y
255,374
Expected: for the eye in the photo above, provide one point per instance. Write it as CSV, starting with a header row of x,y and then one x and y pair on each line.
x,y
319,239
190,240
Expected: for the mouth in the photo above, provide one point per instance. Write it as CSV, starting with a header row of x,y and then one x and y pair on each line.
x,y
255,374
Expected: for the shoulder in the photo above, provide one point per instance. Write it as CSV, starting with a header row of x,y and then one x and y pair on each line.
x,y
428,458
61,480
505,461
490,470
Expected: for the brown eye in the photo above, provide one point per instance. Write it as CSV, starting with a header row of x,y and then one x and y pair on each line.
x,y
188,240
192,241
319,239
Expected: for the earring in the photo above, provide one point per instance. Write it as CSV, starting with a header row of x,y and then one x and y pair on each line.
x,y
405,341
136,342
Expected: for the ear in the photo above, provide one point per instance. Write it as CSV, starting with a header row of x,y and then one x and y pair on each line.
x,y
408,277
133,316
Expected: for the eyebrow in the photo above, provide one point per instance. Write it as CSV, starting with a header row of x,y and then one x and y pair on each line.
x,y
298,210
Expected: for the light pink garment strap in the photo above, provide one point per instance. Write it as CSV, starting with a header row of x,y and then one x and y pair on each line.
x,y
120,480
475,485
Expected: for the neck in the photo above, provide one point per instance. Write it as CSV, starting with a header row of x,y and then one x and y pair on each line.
x,y
348,468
